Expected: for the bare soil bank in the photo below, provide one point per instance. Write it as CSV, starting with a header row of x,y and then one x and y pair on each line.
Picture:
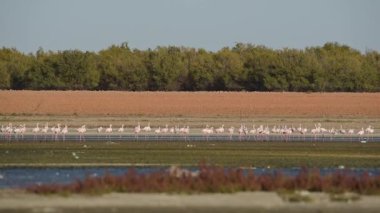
x,y
243,104
237,202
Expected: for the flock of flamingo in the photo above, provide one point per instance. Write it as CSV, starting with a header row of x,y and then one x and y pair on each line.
x,y
243,131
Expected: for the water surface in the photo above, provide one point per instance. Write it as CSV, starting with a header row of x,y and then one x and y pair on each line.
x,y
26,176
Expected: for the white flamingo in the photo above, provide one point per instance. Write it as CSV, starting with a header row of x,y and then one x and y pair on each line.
x,y
220,130
147,128
3,129
242,130
351,131
165,130
137,130
109,131
45,130
231,131
20,130
361,133
342,131
316,130
81,130
304,132
286,132
64,131
99,130
185,131
369,130
299,129
253,132
206,131
121,130
177,130
17,131
55,131
58,130
209,132
9,131
266,133
35,131
157,131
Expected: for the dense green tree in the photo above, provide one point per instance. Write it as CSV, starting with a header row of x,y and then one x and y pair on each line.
x,y
165,67
15,64
371,69
77,69
200,70
5,80
332,67
122,68
41,76
229,70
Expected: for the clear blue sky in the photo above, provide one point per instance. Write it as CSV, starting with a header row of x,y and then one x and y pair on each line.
x,y
211,24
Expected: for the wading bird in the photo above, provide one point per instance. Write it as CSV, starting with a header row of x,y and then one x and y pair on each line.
x,y
64,131
35,131
109,131
81,130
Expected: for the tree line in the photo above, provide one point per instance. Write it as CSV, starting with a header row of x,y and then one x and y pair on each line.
x,y
244,67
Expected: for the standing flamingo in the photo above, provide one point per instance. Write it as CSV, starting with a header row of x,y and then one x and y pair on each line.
x,y
361,133
81,130
242,130
55,131
35,131
369,130
137,130
99,130
17,132
2,130
157,131
64,132
9,131
186,132
231,131
22,130
109,131
45,130
252,132
206,131
147,128
165,129
121,130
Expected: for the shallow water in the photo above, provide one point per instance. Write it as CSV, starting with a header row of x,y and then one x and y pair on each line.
x,y
22,177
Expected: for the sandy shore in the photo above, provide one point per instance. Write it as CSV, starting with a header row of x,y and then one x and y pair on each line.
x,y
18,201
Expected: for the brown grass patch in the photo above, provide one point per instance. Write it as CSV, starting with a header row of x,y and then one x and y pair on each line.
x,y
241,104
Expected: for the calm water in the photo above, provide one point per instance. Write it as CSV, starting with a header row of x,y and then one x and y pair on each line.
x,y
21,177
